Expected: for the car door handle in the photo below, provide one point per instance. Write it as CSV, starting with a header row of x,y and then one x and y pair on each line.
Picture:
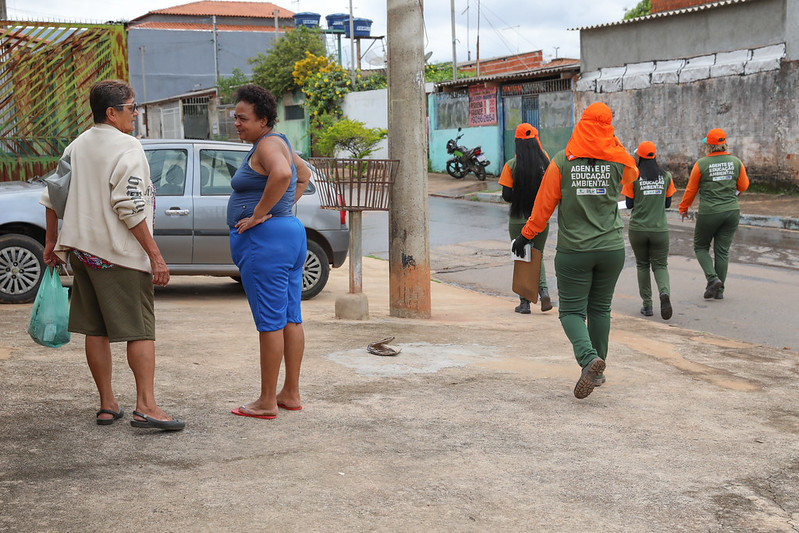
x,y
176,212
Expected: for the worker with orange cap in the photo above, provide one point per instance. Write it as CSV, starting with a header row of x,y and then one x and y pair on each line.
x,y
583,182
520,180
648,231
718,178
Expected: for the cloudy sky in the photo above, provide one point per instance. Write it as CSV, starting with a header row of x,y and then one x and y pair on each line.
x,y
506,26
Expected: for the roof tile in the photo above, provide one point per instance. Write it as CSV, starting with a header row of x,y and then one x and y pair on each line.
x,y
225,9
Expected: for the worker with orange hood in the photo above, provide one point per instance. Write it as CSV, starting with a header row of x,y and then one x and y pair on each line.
x,y
583,182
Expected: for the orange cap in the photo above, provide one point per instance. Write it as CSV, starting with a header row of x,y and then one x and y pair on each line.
x,y
526,131
646,150
715,136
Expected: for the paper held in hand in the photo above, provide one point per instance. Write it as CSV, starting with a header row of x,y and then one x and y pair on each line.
x,y
526,272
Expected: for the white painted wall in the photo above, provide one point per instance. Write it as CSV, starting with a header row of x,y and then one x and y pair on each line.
x,y
371,108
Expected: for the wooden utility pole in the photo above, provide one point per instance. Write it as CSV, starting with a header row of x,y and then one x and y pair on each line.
x,y
408,220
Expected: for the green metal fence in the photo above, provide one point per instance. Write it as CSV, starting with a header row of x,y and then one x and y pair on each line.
x,y
46,71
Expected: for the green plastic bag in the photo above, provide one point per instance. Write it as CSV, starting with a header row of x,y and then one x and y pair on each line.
x,y
50,314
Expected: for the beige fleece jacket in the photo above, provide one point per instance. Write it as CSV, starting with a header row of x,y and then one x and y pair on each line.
x,y
110,192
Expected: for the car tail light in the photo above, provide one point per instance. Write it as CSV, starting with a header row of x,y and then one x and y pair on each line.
x,y
342,213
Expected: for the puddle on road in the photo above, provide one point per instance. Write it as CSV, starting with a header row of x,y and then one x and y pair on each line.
x,y
668,355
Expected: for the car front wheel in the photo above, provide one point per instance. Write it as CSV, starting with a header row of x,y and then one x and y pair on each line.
x,y
315,271
21,268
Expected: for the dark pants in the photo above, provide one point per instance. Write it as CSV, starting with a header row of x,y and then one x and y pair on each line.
x,y
651,249
586,281
718,229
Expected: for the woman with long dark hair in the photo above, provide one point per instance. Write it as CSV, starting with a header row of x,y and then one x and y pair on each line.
x,y
520,180
649,197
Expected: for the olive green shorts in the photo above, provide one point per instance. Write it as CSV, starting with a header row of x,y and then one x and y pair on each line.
x,y
115,302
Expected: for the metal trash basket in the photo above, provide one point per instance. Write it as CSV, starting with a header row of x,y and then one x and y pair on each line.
x,y
354,184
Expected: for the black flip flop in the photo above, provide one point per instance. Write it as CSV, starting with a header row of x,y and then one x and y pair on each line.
x,y
108,421
149,422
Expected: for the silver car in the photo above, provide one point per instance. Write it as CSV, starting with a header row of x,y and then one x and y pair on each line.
x,y
192,180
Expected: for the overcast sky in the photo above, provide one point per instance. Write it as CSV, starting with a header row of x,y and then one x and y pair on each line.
x,y
506,26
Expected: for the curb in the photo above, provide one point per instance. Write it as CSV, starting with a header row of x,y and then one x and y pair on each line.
x,y
763,221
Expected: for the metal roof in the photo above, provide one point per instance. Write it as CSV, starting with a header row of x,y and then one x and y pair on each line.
x,y
661,14
511,76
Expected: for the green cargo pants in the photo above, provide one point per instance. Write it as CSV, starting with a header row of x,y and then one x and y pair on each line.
x,y
718,228
586,281
651,249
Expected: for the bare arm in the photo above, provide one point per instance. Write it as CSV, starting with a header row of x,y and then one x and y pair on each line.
x,y
271,160
160,270
51,238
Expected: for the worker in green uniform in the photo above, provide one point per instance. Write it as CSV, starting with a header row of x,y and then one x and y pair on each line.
x,y
583,182
520,180
649,196
718,178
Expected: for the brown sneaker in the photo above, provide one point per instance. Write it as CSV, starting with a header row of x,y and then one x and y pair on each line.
x,y
585,385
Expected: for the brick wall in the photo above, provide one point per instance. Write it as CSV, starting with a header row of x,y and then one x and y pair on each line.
x,y
670,5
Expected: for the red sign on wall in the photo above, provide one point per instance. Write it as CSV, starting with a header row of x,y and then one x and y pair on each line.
x,y
482,106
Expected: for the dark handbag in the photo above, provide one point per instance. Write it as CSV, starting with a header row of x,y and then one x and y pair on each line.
x,y
58,186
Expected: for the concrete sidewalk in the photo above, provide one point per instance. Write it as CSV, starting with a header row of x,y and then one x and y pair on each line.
x,y
472,427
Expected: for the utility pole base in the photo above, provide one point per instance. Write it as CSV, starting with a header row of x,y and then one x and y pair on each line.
x,y
352,306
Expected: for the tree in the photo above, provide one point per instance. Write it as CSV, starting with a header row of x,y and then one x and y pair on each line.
x,y
352,136
273,70
228,84
643,9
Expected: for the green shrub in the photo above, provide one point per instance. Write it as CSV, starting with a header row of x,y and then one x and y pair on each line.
x,y
350,135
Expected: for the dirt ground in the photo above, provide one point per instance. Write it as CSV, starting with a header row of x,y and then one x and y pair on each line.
x,y
472,427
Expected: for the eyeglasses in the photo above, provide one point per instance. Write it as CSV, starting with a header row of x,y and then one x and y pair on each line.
x,y
134,105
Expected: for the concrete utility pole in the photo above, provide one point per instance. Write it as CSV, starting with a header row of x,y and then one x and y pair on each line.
x,y
408,220
352,47
454,60
216,52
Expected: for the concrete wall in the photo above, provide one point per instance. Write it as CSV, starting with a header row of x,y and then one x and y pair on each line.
x,y
371,108
758,112
719,29
180,61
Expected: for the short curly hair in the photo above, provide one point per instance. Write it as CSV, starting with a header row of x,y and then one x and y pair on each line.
x,y
264,104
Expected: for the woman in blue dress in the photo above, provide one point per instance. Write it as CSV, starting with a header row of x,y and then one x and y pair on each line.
x,y
268,245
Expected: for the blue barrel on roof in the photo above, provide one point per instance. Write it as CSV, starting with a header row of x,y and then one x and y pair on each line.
x,y
336,21
309,20
362,27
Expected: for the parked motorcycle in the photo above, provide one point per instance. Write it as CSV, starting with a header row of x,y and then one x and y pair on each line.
x,y
465,160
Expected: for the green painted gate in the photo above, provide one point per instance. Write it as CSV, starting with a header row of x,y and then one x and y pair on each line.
x,y
46,71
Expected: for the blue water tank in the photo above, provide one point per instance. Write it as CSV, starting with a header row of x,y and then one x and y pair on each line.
x,y
309,20
362,27
336,21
